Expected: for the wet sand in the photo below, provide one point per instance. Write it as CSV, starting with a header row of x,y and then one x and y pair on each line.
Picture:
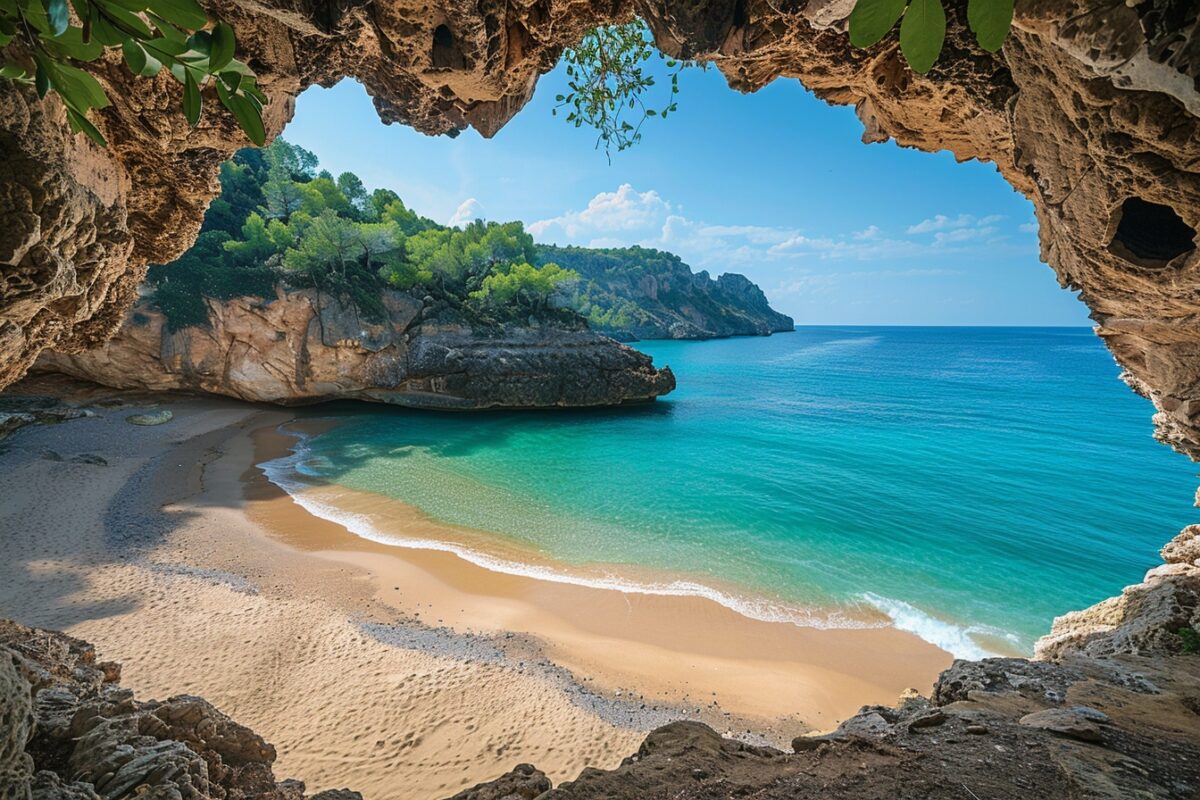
x,y
402,673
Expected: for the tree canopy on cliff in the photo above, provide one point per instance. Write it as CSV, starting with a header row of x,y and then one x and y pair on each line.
x,y
280,219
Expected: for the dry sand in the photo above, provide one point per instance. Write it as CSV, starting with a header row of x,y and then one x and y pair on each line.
x,y
401,673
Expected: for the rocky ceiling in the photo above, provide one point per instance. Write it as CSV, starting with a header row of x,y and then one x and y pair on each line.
x,y
1092,110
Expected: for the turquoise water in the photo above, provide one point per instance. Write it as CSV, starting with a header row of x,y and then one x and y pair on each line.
x,y
970,483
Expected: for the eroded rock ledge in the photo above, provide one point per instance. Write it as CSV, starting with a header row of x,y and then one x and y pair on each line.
x,y
307,346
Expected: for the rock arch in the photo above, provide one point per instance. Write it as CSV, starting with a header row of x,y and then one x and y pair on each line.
x,y
1090,103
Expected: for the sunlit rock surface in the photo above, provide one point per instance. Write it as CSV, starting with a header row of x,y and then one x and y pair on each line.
x,y
307,346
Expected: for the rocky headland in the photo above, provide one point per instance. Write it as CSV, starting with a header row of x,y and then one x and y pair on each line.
x,y
307,346
635,293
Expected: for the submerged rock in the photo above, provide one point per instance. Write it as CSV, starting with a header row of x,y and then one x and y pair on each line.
x,y
305,346
153,418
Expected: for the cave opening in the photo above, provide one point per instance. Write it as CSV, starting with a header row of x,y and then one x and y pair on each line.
x,y
1151,234
446,52
987,406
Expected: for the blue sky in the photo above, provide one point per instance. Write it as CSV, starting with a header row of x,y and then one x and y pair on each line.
x,y
775,185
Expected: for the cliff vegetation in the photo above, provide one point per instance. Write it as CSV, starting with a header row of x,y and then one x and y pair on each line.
x,y
279,219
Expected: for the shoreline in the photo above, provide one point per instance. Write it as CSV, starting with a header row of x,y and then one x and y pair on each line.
x,y
179,559
672,647
406,526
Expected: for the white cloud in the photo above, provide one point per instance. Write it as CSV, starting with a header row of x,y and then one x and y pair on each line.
x,y
941,222
623,210
627,217
963,235
468,211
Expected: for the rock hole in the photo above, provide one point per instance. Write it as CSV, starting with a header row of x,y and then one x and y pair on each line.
x,y
446,53
1150,234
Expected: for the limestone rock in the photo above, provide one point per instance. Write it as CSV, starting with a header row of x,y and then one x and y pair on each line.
x,y
16,726
1064,722
524,782
1144,619
304,347
17,411
672,302
70,727
1184,548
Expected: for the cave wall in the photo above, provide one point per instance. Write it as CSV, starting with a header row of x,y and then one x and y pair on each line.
x,y
1091,110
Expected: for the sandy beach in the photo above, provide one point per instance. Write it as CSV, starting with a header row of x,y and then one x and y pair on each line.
x,y
405,673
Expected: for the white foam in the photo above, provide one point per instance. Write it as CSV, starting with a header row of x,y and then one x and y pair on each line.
x,y
283,472
954,639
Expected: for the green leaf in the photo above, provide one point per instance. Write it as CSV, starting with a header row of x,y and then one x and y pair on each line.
x,y
136,6
139,61
135,56
871,20
80,124
42,76
126,20
922,34
223,44
191,99
991,21
72,45
246,114
34,15
165,47
12,71
186,14
168,30
77,87
240,68
106,33
201,42
58,15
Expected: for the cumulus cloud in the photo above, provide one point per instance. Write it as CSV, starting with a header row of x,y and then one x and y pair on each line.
x,y
626,209
467,212
628,216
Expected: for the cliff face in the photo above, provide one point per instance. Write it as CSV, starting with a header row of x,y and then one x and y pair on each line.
x,y
642,293
306,346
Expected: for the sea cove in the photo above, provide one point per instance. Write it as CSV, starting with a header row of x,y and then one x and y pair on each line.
x,y
944,481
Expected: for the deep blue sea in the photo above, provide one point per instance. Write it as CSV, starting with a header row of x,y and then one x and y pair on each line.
x,y
968,483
